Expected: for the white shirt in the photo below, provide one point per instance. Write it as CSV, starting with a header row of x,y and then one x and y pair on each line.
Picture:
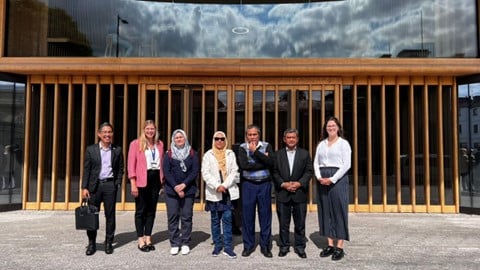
x,y
339,155
153,158
291,158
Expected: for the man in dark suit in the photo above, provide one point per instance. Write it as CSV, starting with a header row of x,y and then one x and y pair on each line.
x,y
102,175
255,159
292,174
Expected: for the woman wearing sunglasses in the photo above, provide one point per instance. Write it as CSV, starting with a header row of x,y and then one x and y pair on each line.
x,y
220,173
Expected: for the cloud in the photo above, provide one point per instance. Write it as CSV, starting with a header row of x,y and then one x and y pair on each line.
x,y
356,28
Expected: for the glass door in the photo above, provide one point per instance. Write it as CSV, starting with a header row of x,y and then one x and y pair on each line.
x,y
469,146
12,113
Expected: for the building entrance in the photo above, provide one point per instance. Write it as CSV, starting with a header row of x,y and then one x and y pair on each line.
x,y
203,107
402,130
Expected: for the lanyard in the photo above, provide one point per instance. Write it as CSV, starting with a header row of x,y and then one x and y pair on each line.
x,y
153,153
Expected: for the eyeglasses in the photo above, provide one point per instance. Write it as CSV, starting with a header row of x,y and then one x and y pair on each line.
x,y
219,139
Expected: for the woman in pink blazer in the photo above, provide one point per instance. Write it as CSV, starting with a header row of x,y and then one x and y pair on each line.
x,y
145,158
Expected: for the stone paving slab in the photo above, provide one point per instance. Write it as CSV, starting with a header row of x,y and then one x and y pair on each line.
x,y
48,240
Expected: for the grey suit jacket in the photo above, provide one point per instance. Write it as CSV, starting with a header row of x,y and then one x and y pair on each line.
x,y
302,172
93,164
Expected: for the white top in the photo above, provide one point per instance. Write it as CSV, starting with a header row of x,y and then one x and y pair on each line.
x,y
291,158
339,155
153,158
211,176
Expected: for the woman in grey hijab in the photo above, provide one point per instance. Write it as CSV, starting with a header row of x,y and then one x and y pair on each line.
x,y
181,169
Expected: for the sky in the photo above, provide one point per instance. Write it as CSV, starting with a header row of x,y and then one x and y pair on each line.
x,y
352,28
469,89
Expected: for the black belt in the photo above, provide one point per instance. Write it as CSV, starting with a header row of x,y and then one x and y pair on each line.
x,y
259,181
105,180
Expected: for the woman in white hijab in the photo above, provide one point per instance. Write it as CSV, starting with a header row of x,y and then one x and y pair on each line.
x,y
181,169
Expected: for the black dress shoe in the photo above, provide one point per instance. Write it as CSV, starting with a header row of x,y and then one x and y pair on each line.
x,y
247,252
144,248
338,254
327,251
301,254
91,249
151,247
282,253
266,252
108,247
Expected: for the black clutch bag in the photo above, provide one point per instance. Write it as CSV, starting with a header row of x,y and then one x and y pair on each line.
x,y
86,216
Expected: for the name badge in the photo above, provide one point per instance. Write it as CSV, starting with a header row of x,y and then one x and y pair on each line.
x,y
153,164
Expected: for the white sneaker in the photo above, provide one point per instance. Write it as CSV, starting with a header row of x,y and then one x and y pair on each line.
x,y
174,250
185,250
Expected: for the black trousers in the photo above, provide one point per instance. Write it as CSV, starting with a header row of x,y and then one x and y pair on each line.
x,y
106,193
146,204
285,210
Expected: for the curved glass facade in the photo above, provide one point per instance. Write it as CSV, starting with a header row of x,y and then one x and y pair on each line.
x,y
340,29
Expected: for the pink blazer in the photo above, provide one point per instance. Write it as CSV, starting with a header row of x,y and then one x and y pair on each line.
x,y
137,163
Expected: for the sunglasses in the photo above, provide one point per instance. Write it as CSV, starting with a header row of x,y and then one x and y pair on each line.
x,y
219,139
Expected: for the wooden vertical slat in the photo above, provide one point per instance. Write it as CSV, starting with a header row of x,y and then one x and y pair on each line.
x,y
26,146
69,146
125,144
398,165
323,104
248,105
186,106
215,117
231,124
54,176
338,101
157,113
292,108
215,109
369,146
83,135
41,144
383,143
142,92
111,101
264,111
230,114
3,16
98,103
426,147
169,115
411,146
441,152
454,127
355,145
311,143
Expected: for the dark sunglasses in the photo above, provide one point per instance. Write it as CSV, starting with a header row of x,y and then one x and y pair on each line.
x,y
219,139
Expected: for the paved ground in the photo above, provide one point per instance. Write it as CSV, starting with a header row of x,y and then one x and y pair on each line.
x,y
48,240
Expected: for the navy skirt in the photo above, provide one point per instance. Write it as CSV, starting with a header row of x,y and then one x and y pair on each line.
x,y
332,207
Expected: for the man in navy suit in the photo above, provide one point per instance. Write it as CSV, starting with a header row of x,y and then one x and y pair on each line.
x,y
292,174
102,176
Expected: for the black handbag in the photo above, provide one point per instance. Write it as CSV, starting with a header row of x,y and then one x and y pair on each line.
x,y
86,216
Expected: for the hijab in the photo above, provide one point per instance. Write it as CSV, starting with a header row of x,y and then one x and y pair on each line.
x,y
220,154
180,152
